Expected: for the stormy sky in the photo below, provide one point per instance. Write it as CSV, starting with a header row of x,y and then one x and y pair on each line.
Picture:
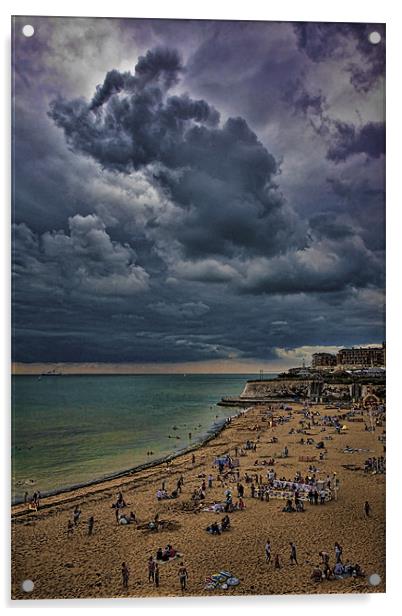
x,y
196,191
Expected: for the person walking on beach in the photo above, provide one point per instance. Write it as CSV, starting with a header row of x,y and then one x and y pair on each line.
x,y
156,575
193,459
183,576
293,554
151,569
125,574
367,509
268,551
91,522
76,515
25,498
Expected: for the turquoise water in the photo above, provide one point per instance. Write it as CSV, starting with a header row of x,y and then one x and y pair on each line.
x,y
69,430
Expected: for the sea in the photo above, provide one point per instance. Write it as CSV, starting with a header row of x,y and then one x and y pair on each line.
x,y
73,430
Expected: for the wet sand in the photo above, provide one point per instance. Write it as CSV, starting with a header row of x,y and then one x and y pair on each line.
x,y
79,565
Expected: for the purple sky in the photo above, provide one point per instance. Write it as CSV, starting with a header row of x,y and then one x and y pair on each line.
x,y
196,191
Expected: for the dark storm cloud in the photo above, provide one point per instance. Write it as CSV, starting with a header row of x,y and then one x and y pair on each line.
x,y
348,140
158,66
326,266
150,229
326,41
221,177
84,261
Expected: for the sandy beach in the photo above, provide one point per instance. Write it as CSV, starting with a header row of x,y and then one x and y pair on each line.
x,y
76,565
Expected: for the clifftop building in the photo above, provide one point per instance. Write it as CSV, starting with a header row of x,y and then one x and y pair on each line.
x,y
361,357
323,360
355,358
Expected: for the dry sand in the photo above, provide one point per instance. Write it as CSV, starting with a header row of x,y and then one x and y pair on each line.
x,y
64,566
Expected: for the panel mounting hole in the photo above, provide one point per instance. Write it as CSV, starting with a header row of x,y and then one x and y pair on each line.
x,y
28,30
375,37
27,585
374,579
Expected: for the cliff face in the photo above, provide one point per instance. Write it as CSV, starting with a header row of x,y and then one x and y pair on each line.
x,y
311,389
275,389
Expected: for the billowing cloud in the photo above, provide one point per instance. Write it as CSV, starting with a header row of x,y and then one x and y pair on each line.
x,y
85,260
220,177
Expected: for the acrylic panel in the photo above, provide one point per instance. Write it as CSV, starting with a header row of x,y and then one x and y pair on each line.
x,y
198,353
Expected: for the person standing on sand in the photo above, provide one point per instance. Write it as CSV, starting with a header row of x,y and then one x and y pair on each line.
x,y
156,575
151,569
91,522
293,554
367,509
183,576
25,498
125,574
268,551
193,459
338,553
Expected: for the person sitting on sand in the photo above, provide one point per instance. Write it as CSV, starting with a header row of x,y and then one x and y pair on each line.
x,y
288,508
277,562
339,569
159,554
357,571
316,574
169,552
214,529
